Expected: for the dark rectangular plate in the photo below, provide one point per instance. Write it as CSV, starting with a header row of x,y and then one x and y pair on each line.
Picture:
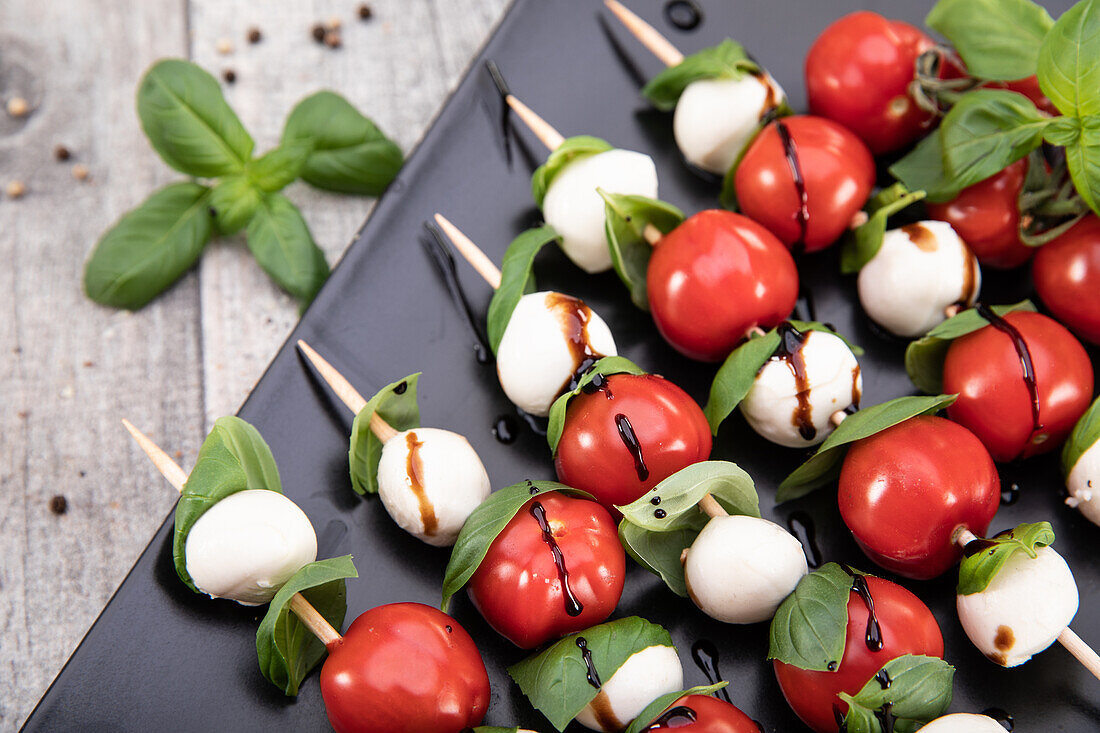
x,y
163,658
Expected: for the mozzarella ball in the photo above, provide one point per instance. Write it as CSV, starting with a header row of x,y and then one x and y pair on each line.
x,y
544,345
247,545
576,210
739,569
716,118
644,676
780,406
963,723
1023,610
430,480
1083,477
920,270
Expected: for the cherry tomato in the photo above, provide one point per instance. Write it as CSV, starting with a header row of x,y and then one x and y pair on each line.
x,y
626,436
995,397
703,714
836,173
987,217
1067,277
522,591
404,668
716,276
858,73
907,627
905,491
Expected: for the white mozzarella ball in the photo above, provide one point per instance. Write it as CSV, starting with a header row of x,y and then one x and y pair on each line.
x,y
430,480
1083,477
1023,610
920,270
739,569
247,545
644,676
543,346
778,402
576,210
716,118
963,723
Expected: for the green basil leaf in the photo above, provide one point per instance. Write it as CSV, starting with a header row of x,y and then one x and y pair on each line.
x,y
495,729
809,627
484,524
861,246
556,679
279,239
349,153
659,552
234,201
979,568
1083,160
516,279
824,465
1067,70
604,367
396,403
924,357
574,148
1085,434
997,39
150,247
727,60
189,123
626,217
279,167
234,457
921,169
286,649
680,494
919,690
662,703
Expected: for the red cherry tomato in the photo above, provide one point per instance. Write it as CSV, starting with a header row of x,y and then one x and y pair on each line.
x,y
905,491
716,276
622,439
858,73
995,400
404,668
907,627
987,217
703,714
520,588
1067,277
836,172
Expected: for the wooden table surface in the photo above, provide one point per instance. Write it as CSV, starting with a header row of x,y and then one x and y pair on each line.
x,y
69,370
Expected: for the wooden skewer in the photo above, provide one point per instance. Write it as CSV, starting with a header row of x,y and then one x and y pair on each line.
x,y
837,418
473,254
542,129
711,507
657,44
652,234
347,393
309,616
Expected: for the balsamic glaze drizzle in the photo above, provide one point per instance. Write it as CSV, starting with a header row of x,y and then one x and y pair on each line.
x,y
573,606
678,717
573,319
1010,495
591,674
882,677
683,14
439,250
1020,345
705,654
791,341
801,525
873,637
630,440
803,213
506,429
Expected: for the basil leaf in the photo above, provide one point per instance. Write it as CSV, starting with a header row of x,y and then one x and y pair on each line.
x,y
494,729
279,239
861,246
659,552
664,702
978,569
924,357
1067,69
556,679
625,221
604,367
150,247
484,524
680,493
1085,434
286,649
1081,139
516,279
189,123
234,201
921,169
809,627
727,60
824,465
396,403
574,148
997,39
279,167
234,457
919,690
349,153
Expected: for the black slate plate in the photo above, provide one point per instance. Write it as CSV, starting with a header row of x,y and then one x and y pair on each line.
x,y
162,658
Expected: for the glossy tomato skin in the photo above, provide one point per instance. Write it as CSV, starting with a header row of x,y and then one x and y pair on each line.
x,y
985,370
987,217
858,73
595,456
837,171
710,715
716,276
908,627
518,588
404,668
904,492
1067,277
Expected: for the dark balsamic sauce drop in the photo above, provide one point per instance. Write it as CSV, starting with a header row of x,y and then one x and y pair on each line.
x,y
414,469
660,513
598,383
705,654
801,525
680,716
683,14
791,341
886,717
573,318
873,637
630,440
882,677
803,213
573,606
401,388
1020,345
1007,721
655,501
1010,495
591,674
506,429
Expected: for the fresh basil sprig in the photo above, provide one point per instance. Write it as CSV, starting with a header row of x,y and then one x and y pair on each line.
x,y
396,403
574,148
1067,69
604,367
233,202
652,711
997,39
516,279
1085,434
810,625
919,689
626,217
861,246
727,60
979,568
279,239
